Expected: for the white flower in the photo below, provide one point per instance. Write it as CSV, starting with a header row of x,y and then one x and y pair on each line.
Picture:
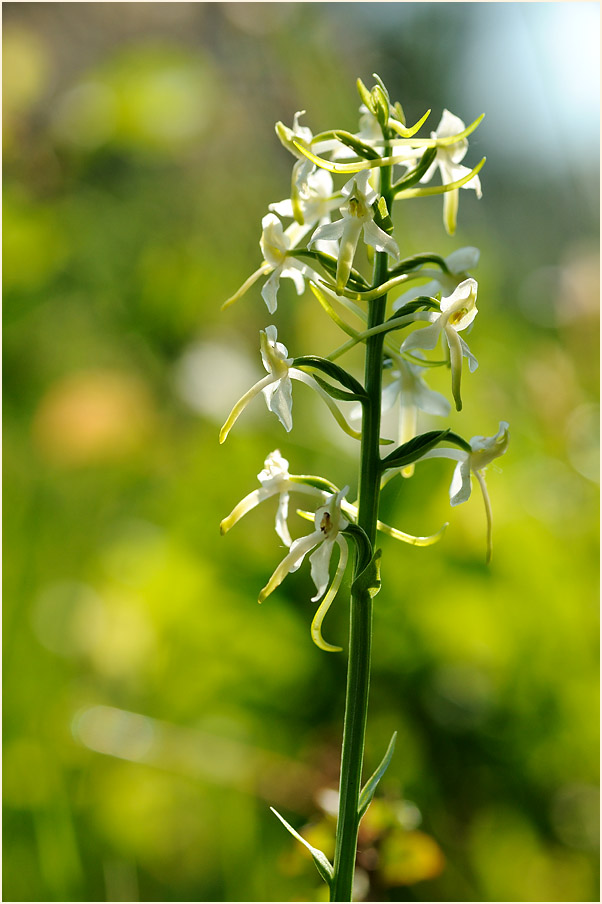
x,y
310,206
456,313
277,387
329,522
484,450
276,244
275,480
358,217
448,161
410,391
458,263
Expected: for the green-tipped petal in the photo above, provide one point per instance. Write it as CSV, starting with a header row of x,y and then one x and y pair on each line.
x,y
488,514
357,167
409,538
242,404
408,132
316,625
263,270
291,562
441,189
245,505
335,411
455,356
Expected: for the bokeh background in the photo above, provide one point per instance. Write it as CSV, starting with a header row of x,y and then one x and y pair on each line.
x,y
152,711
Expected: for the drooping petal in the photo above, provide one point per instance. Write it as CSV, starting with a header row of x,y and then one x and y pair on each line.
x,y
455,356
320,562
279,399
488,514
265,268
245,505
281,519
377,238
460,487
451,200
242,404
352,227
316,625
269,291
291,562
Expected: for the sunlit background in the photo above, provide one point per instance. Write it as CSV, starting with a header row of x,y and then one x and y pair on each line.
x,y
152,710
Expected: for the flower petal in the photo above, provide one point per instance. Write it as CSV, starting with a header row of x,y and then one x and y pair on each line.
x,y
460,487
316,625
291,562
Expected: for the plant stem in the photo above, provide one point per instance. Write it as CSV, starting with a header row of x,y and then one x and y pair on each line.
x,y
360,631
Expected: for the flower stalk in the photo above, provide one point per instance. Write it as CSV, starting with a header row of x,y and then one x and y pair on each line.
x,y
433,313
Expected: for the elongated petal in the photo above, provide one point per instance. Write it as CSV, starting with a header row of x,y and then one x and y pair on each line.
x,y
291,562
455,354
269,292
460,487
335,411
265,268
294,273
281,519
320,562
408,423
245,505
279,399
466,352
242,404
409,538
450,210
377,238
488,514
349,239
316,625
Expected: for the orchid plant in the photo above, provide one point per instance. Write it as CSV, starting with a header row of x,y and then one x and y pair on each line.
x,y
432,300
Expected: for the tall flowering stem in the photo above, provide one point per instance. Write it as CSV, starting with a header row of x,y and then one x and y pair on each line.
x,y
360,630
321,251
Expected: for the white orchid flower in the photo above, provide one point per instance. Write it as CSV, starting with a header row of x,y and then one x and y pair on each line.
x,y
312,206
456,313
275,480
329,521
358,217
276,245
458,264
448,162
484,450
409,390
277,387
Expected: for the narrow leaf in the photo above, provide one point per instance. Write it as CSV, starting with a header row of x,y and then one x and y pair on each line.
x,y
342,394
351,141
332,370
414,449
415,175
322,862
367,792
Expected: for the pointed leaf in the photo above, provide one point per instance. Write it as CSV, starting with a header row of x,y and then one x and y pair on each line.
x,y
333,370
367,792
340,394
351,141
410,263
414,449
322,862
418,172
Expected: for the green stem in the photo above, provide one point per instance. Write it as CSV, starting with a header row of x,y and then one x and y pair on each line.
x,y
360,632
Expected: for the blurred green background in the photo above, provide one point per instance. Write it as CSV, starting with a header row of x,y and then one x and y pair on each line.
x,y
152,711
